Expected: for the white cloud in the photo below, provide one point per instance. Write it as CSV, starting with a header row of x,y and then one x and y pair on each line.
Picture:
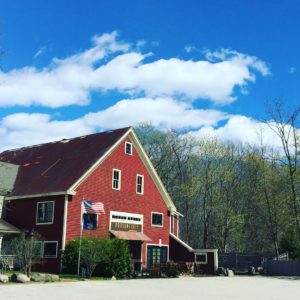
x,y
23,129
239,58
292,70
241,129
111,64
161,112
40,52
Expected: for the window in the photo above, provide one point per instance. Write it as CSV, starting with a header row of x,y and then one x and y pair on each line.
x,y
172,224
45,212
116,179
50,249
90,221
157,219
139,184
201,258
128,148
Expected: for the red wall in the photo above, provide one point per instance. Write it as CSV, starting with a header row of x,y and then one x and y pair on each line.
x,y
22,214
98,187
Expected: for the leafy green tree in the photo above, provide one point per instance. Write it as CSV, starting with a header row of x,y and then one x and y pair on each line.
x,y
291,244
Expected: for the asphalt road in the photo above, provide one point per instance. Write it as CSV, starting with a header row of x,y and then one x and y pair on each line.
x,y
206,288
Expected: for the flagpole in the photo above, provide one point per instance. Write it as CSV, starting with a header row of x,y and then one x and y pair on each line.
x,y
80,239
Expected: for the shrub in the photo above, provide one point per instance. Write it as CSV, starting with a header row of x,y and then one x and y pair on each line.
x,y
116,260
172,269
91,255
291,244
105,257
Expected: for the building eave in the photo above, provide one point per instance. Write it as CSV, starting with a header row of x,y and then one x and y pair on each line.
x,y
69,192
189,248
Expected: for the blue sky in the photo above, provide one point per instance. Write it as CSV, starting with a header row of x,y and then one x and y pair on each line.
x,y
206,67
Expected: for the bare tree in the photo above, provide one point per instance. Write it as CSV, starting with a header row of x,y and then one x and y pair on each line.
x,y
285,124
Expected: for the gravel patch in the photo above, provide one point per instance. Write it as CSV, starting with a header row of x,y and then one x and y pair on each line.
x,y
206,288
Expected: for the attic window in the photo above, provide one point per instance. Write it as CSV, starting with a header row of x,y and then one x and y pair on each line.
x,y
128,148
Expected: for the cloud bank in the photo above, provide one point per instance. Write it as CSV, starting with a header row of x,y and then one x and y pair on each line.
x,y
164,92
113,65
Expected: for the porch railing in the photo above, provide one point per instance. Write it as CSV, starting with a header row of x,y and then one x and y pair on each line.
x,y
7,262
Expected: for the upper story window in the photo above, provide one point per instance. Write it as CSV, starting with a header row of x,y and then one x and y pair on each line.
x,y
157,219
90,221
139,184
116,179
45,212
128,148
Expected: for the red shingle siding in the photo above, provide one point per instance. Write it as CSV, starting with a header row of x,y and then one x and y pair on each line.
x,y
98,187
22,214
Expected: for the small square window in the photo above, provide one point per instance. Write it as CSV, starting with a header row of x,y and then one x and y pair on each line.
x,y
201,258
90,221
128,148
157,219
45,212
50,249
116,179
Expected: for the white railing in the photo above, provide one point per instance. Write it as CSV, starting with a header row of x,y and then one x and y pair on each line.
x,y
7,262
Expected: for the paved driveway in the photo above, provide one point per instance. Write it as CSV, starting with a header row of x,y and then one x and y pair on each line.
x,y
206,288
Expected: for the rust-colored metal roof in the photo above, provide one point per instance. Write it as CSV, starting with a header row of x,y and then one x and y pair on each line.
x,y
131,235
55,167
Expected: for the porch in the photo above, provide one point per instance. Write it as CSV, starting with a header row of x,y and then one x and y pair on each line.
x,y
7,231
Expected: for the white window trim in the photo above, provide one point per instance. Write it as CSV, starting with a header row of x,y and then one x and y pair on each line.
x,y
128,143
159,245
120,174
157,213
45,242
127,215
37,210
136,184
201,262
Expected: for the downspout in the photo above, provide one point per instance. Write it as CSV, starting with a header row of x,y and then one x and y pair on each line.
x,y
64,231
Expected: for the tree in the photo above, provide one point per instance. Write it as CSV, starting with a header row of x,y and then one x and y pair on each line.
x,y
285,124
27,250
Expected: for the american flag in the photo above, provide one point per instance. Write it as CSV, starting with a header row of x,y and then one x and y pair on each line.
x,y
93,208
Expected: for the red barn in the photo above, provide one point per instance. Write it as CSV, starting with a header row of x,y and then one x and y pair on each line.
x,y
110,167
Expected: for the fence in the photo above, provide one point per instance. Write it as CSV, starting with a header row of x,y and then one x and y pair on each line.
x,y
242,261
282,268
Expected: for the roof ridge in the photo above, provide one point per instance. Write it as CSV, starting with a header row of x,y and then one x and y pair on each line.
x,y
63,139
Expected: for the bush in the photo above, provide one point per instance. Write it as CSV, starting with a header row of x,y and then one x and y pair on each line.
x,y
105,257
116,260
91,255
291,244
70,257
172,269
